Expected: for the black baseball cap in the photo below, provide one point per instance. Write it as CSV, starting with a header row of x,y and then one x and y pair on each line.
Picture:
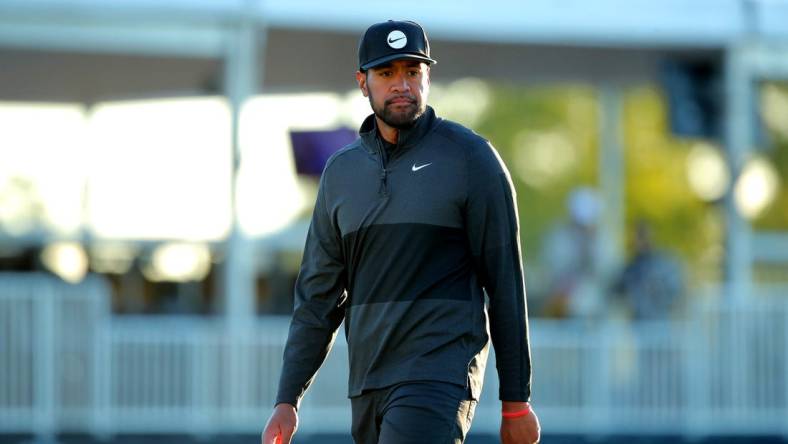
x,y
393,40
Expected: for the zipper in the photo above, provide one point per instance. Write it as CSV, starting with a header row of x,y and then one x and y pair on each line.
x,y
383,190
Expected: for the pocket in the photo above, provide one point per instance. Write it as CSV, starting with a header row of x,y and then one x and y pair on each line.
x,y
465,418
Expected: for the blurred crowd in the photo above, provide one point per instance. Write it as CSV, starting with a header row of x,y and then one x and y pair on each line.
x,y
650,284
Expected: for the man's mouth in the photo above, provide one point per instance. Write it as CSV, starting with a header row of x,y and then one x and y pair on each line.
x,y
401,101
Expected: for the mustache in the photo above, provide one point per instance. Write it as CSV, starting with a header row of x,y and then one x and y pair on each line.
x,y
411,99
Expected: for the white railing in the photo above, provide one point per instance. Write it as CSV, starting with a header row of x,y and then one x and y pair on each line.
x,y
67,365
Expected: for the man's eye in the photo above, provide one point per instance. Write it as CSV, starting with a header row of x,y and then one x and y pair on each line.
x,y
413,73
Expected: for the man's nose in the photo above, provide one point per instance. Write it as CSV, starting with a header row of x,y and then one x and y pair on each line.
x,y
401,83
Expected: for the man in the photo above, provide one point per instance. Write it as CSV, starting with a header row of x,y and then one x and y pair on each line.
x,y
569,256
652,282
413,222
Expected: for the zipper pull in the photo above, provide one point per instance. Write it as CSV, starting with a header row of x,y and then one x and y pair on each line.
x,y
383,183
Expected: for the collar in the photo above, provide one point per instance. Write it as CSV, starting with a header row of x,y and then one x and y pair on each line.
x,y
406,138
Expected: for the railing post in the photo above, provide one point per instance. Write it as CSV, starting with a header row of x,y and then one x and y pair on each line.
x,y
199,364
595,343
44,389
696,371
102,364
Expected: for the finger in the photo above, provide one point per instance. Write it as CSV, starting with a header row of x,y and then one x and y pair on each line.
x,y
286,435
271,435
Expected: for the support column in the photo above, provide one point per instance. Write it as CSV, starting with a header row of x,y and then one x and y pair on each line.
x,y
240,84
739,88
241,81
612,182
738,139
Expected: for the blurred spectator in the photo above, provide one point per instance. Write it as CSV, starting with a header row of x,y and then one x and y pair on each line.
x,y
652,282
568,255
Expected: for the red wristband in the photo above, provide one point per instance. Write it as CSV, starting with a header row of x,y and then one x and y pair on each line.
x,y
510,415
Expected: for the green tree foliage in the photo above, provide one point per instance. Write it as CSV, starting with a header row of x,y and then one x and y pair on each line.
x,y
656,185
775,113
518,120
548,136
657,188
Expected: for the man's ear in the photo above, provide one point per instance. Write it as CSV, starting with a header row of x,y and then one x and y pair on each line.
x,y
361,79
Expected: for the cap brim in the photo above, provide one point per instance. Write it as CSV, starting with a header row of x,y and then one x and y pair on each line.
x,y
391,57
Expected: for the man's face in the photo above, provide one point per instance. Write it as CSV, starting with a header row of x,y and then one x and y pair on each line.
x,y
397,91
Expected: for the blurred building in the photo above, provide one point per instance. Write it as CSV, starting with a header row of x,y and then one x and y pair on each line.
x,y
152,213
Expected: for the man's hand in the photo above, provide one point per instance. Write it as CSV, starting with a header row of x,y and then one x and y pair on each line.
x,y
281,425
520,430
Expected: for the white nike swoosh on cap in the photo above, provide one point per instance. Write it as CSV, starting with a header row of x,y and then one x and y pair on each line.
x,y
416,168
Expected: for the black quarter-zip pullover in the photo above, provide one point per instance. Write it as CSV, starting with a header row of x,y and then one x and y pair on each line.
x,y
402,246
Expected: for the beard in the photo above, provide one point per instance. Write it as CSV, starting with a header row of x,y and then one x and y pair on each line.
x,y
397,116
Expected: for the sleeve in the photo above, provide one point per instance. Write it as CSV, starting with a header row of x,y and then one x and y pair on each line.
x,y
493,233
318,306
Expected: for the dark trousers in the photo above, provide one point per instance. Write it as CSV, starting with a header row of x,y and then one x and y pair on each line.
x,y
421,412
